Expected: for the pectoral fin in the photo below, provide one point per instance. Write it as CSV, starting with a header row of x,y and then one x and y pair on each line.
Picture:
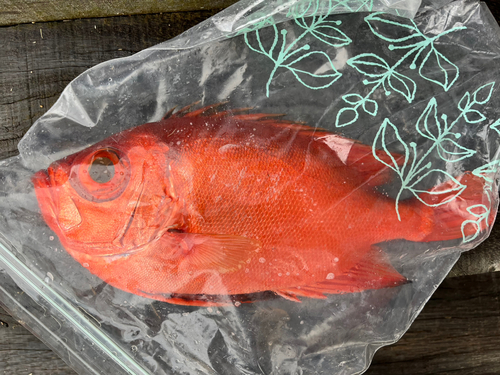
x,y
221,253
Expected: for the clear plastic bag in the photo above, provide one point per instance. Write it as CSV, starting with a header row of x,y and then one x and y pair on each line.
x,y
419,97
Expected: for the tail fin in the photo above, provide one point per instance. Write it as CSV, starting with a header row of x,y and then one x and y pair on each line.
x,y
459,212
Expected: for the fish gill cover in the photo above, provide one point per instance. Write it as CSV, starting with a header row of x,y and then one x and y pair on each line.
x,y
278,190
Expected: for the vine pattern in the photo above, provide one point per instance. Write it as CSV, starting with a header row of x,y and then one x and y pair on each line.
x,y
379,74
312,17
440,132
482,212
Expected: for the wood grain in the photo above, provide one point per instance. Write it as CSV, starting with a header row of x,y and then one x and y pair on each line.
x,y
485,258
38,61
458,332
15,12
23,353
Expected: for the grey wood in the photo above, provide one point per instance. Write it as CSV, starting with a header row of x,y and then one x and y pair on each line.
x,y
485,258
458,332
23,353
14,12
38,61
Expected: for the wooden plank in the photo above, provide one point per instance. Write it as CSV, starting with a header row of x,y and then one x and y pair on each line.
x,y
458,332
39,60
23,353
485,258
15,12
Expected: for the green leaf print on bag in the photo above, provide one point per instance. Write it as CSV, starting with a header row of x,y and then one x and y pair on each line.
x,y
295,55
307,8
440,132
482,212
403,35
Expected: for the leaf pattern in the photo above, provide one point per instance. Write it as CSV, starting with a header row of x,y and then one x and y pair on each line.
x,y
403,34
389,130
418,167
447,72
370,65
455,188
473,116
319,80
482,212
346,116
483,94
486,171
495,126
370,107
390,30
428,124
311,16
331,35
451,151
403,85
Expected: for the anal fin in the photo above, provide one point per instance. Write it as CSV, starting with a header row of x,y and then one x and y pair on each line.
x,y
373,272
290,295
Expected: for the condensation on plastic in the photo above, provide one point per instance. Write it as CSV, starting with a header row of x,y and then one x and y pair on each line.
x,y
370,77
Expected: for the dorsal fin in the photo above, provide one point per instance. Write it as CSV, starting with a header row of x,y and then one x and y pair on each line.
x,y
210,110
206,111
359,156
181,112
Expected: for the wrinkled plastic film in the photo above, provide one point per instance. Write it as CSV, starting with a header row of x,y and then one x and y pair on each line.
x,y
250,15
420,94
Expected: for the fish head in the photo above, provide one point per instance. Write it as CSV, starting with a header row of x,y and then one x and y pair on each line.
x,y
112,198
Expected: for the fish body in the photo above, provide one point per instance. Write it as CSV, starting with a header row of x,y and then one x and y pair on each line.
x,y
210,203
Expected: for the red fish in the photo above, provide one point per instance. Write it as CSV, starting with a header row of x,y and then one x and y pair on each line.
x,y
207,204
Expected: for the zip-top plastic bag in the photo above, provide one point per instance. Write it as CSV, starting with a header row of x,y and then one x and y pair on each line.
x,y
278,190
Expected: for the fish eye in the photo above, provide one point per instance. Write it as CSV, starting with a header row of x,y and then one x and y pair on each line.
x,y
102,170
100,176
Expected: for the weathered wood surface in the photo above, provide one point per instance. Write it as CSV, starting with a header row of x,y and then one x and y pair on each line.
x,y
13,12
38,61
458,332
23,353
484,258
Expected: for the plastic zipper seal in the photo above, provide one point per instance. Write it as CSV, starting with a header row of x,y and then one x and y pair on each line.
x,y
35,286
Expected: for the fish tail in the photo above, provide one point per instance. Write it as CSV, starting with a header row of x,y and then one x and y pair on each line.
x,y
458,210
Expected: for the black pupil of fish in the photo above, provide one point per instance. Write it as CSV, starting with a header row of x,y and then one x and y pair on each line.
x,y
102,170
